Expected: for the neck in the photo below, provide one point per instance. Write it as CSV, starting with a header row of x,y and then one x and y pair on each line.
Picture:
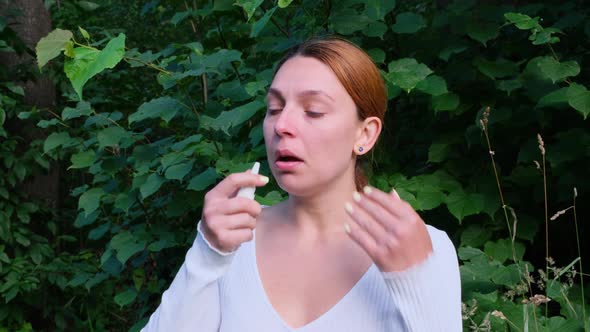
x,y
323,212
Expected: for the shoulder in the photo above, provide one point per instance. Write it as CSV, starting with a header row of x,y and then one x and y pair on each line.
x,y
441,243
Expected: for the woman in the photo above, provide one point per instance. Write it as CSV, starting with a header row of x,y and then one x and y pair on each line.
x,y
337,255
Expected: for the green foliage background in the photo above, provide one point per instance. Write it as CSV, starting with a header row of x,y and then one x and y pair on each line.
x,y
161,99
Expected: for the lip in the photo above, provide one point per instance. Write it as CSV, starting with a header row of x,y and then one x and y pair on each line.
x,y
289,165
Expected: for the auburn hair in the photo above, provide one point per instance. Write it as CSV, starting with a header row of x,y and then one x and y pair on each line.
x,y
358,74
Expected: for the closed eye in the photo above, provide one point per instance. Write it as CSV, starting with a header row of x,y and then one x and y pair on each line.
x,y
273,111
314,115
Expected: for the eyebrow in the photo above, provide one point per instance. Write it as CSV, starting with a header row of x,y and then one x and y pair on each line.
x,y
276,93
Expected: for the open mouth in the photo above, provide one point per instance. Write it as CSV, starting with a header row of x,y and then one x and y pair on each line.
x,y
288,159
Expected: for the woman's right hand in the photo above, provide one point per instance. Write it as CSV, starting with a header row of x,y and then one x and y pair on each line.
x,y
228,220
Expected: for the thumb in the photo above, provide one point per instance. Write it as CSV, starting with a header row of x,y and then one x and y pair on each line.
x,y
394,193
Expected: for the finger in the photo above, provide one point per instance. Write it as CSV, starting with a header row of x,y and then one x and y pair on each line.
x,y
395,194
241,205
230,240
241,220
381,215
241,235
361,237
365,221
232,183
397,207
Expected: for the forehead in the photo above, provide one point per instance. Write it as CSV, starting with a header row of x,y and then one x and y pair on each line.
x,y
305,73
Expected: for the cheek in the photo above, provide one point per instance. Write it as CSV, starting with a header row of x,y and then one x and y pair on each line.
x,y
267,129
337,142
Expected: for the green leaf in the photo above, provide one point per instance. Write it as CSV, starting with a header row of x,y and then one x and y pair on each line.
x,y
16,89
253,88
558,96
579,98
233,118
138,278
284,3
161,244
438,152
249,6
446,53
179,17
377,54
83,220
4,193
507,276
523,22
2,116
509,85
474,236
123,201
406,73
165,108
88,5
178,171
375,29
496,69
377,9
126,297
433,85
151,185
89,62
203,180
261,23
4,257
55,140
408,23
51,45
446,102
172,158
129,249
84,33
482,32
347,21
90,200
99,231
429,199
83,159
111,136
558,71
46,124
83,108
501,250
462,204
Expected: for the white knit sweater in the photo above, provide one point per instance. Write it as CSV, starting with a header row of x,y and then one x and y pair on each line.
x,y
213,292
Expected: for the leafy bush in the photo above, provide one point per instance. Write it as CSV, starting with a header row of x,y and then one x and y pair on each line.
x,y
145,130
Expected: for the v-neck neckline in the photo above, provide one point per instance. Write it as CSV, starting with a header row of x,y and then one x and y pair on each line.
x,y
315,321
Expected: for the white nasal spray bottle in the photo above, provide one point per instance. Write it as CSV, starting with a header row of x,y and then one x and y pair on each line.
x,y
248,192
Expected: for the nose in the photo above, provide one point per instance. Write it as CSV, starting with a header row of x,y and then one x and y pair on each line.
x,y
285,123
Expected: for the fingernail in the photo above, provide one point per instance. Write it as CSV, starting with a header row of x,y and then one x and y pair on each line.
x,y
356,196
347,228
348,207
264,179
395,194
368,190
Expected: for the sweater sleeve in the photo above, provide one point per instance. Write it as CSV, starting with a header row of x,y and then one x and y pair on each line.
x,y
428,295
192,301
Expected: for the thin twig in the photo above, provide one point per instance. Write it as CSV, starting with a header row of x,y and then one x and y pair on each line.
x,y
580,262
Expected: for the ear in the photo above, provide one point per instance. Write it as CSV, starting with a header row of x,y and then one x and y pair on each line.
x,y
367,134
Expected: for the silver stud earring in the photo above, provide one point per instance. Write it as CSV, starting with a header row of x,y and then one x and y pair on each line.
x,y
361,149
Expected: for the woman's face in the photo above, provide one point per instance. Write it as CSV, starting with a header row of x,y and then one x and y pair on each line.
x,y
310,127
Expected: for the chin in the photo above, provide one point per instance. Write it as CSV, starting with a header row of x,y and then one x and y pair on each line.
x,y
294,184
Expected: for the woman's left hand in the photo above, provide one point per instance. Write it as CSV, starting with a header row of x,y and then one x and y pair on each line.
x,y
388,229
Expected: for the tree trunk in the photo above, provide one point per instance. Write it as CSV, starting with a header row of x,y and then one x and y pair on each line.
x,y
31,23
